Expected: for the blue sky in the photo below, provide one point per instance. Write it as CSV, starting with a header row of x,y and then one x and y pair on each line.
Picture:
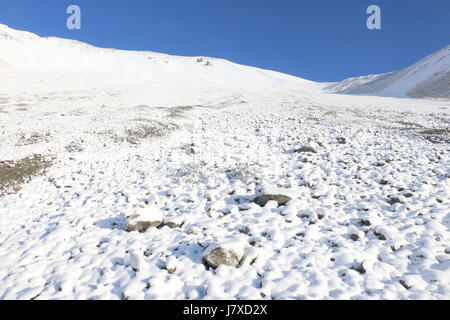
x,y
321,40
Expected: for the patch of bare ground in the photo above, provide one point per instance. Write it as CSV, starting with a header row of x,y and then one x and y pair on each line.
x,y
147,131
35,138
436,135
15,173
143,130
178,112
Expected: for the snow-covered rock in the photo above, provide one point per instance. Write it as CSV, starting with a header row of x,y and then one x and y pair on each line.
x,y
280,199
143,219
228,253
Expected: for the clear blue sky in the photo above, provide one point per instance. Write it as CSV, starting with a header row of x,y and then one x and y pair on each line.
x,y
322,40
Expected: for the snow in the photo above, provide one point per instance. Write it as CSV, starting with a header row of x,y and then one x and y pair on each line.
x,y
430,77
117,130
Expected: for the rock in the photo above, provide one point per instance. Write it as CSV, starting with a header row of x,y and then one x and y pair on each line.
x,y
384,232
228,254
364,222
342,140
354,237
171,264
190,151
75,146
306,149
394,200
144,219
279,198
408,195
135,261
405,284
173,222
359,267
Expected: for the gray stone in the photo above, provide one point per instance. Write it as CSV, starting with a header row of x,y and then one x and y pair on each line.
x,y
279,198
306,149
220,256
135,224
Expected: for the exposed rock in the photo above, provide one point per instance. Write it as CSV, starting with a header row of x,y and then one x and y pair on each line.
x,y
228,254
354,237
394,200
144,219
405,284
306,149
75,146
190,151
173,222
365,223
279,198
341,140
359,267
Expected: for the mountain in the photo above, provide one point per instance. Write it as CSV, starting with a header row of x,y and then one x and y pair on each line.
x,y
160,79
163,79
428,78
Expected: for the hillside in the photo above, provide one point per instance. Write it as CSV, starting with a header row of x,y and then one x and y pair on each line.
x,y
428,78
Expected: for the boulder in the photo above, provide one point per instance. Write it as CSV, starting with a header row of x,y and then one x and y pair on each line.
x,y
144,219
279,198
228,254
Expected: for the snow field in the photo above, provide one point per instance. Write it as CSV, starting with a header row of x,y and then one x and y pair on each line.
x,y
62,236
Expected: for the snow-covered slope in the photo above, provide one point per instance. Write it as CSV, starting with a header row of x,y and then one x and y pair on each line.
x,y
428,78
96,144
166,79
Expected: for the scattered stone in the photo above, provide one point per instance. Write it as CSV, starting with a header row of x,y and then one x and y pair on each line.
x,y
244,230
173,222
380,236
190,151
144,219
306,149
404,284
228,254
359,267
354,237
279,198
342,140
408,195
394,200
75,146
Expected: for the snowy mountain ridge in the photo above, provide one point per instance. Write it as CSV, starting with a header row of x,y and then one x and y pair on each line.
x,y
428,78
28,52
161,74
